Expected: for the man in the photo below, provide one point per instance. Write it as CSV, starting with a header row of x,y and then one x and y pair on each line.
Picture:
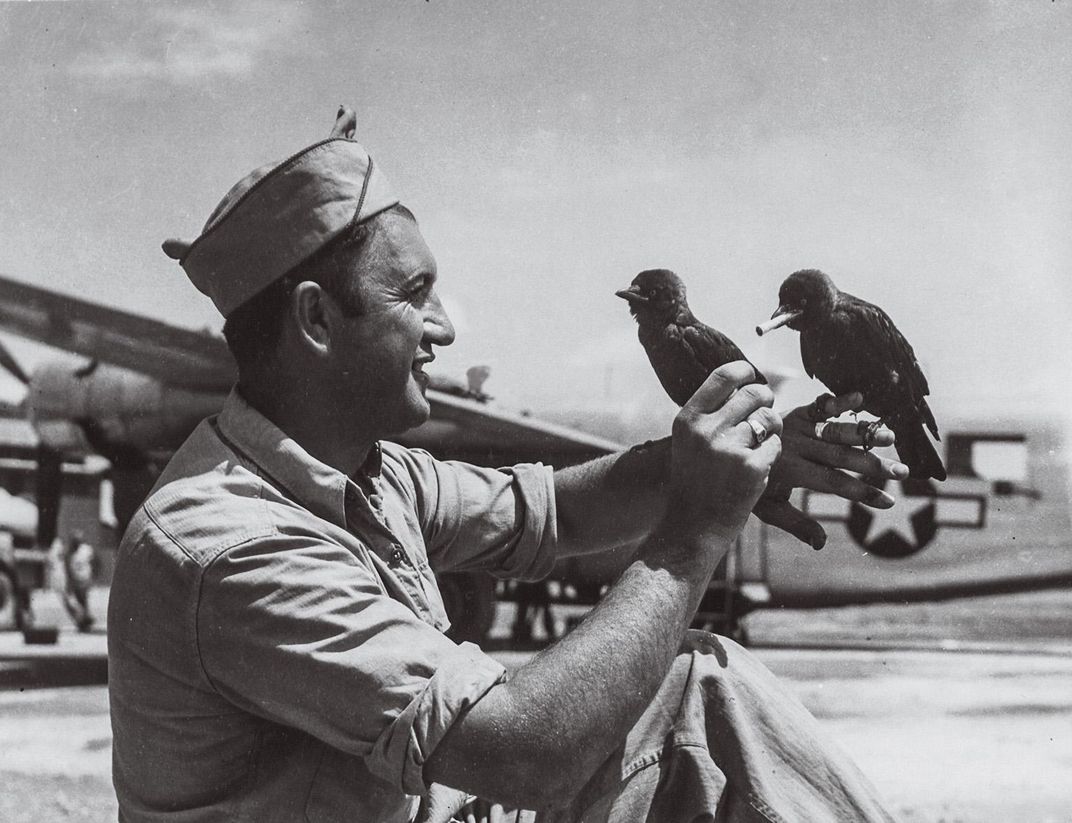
x,y
275,629
78,561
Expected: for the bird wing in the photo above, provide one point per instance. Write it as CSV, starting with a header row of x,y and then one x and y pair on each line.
x,y
870,329
711,348
809,357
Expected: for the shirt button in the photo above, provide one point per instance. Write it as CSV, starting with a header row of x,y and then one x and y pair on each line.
x,y
398,557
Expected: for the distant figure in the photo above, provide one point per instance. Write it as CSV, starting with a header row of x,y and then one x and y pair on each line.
x,y
477,376
78,561
57,568
533,602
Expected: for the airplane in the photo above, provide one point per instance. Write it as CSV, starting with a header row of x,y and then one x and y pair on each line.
x,y
1001,523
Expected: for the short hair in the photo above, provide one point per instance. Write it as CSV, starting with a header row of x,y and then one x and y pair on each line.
x,y
253,330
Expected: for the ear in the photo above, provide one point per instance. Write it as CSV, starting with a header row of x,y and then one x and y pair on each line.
x,y
313,314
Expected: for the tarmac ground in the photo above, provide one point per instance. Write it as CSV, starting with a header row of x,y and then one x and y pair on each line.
x,y
952,728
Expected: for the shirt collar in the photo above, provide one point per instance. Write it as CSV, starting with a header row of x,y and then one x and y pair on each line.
x,y
315,485
373,465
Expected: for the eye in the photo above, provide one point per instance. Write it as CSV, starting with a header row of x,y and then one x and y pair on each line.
x,y
803,302
421,287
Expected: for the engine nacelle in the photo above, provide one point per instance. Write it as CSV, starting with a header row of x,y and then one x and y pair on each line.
x,y
127,409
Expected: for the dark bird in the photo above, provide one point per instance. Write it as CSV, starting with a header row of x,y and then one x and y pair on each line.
x,y
852,346
682,350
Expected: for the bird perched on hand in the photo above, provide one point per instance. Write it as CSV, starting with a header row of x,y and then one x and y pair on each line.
x,y
853,346
682,350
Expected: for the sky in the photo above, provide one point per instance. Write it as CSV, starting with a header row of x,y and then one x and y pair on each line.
x,y
919,153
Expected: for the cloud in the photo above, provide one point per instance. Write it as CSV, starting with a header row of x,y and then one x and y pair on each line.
x,y
183,46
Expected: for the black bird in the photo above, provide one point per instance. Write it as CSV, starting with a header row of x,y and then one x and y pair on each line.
x,y
852,346
682,350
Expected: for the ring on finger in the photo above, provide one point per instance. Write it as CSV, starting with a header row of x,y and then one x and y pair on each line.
x,y
759,433
820,427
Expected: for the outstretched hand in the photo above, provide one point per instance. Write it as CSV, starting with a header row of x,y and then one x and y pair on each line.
x,y
818,454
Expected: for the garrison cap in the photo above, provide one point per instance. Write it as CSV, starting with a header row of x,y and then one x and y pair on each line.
x,y
279,215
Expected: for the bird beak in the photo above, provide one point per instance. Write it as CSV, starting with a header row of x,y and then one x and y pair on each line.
x,y
632,294
781,316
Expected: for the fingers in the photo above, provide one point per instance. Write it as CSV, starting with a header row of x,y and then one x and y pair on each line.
x,y
788,518
719,385
720,464
832,406
851,434
746,400
885,469
768,451
853,459
764,417
827,406
837,443
483,811
822,478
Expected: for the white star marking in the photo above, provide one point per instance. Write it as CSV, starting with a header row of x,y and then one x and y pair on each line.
x,y
899,518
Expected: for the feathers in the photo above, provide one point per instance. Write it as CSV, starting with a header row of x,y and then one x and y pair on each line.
x,y
852,345
682,350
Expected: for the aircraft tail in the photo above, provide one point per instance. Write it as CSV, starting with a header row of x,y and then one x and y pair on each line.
x,y
915,449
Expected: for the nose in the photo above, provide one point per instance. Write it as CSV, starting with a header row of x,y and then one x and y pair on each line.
x,y
438,330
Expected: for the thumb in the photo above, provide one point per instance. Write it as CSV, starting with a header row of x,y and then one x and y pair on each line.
x,y
785,516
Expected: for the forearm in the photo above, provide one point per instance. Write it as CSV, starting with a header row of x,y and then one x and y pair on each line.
x,y
541,734
612,500
539,737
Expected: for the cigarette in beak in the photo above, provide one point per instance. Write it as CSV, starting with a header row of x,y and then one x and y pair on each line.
x,y
780,319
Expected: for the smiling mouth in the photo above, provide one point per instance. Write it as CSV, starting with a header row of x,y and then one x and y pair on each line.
x,y
417,369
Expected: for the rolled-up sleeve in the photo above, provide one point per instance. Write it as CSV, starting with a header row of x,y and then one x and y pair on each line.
x,y
300,632
498,520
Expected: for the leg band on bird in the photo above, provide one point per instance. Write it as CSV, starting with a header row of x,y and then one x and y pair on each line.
x,y
869,430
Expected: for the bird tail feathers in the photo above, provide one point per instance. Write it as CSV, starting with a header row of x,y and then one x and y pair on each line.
x,y
928,418
916,450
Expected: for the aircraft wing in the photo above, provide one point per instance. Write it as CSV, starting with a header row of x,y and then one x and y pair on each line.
x,y
173,355
465,429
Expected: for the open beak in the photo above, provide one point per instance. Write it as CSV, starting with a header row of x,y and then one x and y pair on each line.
x,y
781,316
632,294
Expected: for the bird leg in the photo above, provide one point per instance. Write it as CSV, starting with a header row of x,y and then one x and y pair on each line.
x,y
869,430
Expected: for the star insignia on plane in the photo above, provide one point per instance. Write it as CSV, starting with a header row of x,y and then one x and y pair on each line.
x,y
902,530
923,508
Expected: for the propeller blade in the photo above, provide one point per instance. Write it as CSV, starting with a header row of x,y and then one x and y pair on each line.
x,y
11,366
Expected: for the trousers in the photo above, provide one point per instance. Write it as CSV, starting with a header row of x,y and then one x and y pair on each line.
x,y
723,741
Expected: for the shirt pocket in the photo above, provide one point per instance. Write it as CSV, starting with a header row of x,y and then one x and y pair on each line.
x,y
419,583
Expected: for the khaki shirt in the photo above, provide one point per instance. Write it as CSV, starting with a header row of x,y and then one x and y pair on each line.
x,y
275,631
